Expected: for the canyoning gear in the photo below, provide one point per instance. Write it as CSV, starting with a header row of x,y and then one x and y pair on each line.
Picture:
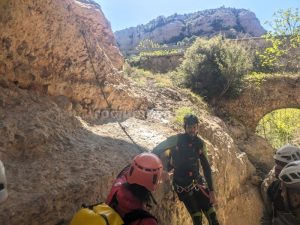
x,y
185,161
275,211
197,185
197,203
3,184
99,214
274,193
102,214
290,175
123,198
192,189
190,119
287,153
145,170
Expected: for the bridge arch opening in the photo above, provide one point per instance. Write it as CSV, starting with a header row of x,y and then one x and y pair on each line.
x,y
280,127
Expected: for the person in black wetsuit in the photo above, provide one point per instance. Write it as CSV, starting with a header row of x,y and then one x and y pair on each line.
x,y
187,152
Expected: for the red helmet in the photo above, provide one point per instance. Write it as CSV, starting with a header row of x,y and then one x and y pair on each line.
x,y
145,170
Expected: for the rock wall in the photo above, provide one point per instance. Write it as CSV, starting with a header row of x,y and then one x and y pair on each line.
x,y
230,22
53,162
63,48
56,161
261,98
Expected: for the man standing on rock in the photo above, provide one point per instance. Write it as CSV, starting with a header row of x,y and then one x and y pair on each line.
x,y
274,205
186,150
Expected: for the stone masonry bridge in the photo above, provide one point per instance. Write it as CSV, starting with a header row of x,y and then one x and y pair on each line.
x,y
256,101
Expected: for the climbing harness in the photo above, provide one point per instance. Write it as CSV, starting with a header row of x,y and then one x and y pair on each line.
x,y
102,91
188,188
195,185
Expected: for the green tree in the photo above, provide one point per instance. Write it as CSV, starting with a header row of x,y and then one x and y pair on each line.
x,y
280,126
147,44
214,68
284,39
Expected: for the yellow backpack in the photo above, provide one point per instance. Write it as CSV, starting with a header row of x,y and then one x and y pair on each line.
x,y
100,214
103,214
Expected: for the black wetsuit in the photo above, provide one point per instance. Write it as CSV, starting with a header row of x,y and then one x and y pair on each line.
x,y
274,212
186,155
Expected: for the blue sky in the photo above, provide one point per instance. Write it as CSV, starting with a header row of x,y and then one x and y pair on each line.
x,y
127,13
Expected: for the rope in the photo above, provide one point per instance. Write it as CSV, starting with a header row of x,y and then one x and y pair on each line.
x,y
103,93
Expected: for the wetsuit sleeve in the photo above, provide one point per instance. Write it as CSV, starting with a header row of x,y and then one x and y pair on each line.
x,y
170,142
267,216
147,221
206,168
120,180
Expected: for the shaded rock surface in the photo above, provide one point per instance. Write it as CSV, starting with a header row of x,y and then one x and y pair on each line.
x,y
55,161
230,22
57,157
63,48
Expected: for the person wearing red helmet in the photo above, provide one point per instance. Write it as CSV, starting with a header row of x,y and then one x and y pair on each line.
x,y
131,193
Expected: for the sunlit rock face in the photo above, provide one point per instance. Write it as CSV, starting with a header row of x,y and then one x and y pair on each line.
x,y
63,48
231,23
56,161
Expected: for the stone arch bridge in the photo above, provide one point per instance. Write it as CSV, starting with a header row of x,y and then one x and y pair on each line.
x,y
258,100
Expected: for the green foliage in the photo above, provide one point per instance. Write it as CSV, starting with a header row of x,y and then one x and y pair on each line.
x,y
279,127
145,78
159,52
196,99
180,113
283,52
187,41
215,67
256,78
147,44
136,60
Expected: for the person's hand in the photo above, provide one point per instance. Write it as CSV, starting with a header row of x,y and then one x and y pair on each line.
x,y
212,198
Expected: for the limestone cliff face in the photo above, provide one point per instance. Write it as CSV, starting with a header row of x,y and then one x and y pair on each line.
x,y
226,21
55,161
63,48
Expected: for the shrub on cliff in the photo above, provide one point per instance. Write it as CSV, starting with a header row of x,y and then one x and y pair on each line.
x,y
282,54
214,68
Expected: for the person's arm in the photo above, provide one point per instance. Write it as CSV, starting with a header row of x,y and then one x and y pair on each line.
x,y
148,221
206,167
207,174
267,215
120,180
169,143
